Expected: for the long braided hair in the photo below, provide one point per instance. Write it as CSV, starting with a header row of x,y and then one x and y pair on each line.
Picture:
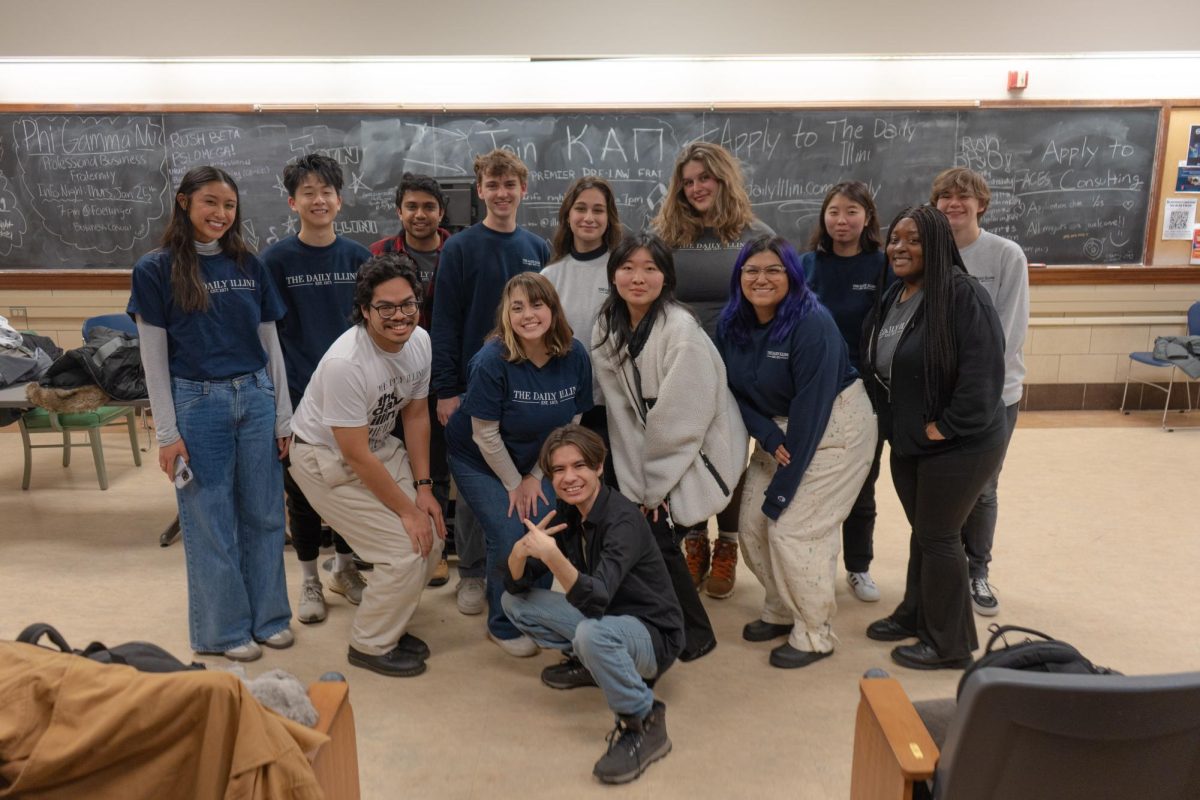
x,y
942,265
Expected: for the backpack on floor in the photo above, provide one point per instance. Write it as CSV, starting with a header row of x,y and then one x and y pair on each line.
x,y
1046,654
142,656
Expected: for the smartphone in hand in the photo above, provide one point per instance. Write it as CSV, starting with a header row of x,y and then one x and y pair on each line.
x,y
183,473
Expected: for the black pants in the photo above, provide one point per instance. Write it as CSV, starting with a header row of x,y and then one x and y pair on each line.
x,y
937,492
697,628
304,523
858,531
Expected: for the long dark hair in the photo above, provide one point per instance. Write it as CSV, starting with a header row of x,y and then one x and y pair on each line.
x,y
187,285
564,239
737,318
942,265
615,322
856,192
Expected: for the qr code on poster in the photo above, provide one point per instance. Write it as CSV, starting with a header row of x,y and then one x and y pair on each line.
x,y
1180,219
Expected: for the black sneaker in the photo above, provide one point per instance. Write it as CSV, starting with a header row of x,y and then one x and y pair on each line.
x,y
634,745
570,674
395,663
982,598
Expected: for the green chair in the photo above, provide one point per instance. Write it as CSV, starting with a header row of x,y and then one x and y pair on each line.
x,y
40,420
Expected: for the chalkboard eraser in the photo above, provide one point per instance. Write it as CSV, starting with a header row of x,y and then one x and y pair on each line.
x,y
1037,266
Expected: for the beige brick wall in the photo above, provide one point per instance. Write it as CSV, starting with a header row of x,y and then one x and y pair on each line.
x,y
59,313
1084,334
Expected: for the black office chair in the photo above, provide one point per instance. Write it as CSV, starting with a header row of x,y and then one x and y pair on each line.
x,y
1025,735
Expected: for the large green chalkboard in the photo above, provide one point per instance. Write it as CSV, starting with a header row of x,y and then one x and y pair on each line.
x,y
1071,185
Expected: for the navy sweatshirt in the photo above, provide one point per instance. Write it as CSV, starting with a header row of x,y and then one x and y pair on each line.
x,y
474,267
798,378
317,284
847,286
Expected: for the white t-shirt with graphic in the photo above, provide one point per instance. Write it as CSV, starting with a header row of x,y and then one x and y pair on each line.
x,y
359,384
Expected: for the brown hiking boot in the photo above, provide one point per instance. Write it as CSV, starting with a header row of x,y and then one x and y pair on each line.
x,y
724,569
695,550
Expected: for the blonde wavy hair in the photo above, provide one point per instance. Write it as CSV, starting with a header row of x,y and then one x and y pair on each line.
x,y
679,224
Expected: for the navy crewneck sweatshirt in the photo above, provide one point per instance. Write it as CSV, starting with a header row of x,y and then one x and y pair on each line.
x,y
847,287
797,378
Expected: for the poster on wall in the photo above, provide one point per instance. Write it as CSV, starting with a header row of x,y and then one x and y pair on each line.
x,y
1179,217
1193,157
1196,246
1188,180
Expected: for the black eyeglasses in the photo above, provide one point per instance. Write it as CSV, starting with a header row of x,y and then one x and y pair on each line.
x,y
408,308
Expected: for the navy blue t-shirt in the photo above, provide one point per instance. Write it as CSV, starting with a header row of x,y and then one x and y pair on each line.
x,y
317,284
528,401
474,267
221,342
797,378
847,287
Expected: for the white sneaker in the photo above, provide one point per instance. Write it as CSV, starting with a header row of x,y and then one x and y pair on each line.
x,y
520,647
246,652
281,640
471,595
312,603
348,583
864,586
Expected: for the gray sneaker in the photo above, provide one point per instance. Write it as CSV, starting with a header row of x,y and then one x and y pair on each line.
x,y
634,745
471,595
312,603
983,598
348,583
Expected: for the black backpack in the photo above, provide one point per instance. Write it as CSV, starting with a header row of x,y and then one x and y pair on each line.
x,y
1044,655
139,655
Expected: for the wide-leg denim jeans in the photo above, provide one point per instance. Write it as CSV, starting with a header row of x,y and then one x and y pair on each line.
x,y
231,514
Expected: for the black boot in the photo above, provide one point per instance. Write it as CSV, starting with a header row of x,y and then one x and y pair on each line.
x,y
634,745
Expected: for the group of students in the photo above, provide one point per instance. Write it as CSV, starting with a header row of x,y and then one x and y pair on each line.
x,y
612,380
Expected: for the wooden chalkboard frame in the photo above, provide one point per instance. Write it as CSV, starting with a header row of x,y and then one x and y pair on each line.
x,y
1052,275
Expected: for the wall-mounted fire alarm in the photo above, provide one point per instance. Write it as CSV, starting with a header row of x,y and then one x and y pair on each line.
x,y
1018,80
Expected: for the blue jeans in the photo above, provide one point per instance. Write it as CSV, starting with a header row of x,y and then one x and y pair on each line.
x,y
488,499
231,513
617,650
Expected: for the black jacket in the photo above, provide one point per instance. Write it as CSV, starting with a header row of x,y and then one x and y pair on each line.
x,y
109,359
621,570
972,417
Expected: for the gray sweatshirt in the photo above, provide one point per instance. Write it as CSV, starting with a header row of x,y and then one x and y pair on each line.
x,y
1000,267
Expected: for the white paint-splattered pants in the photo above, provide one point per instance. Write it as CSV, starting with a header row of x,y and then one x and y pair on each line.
x,y
795,557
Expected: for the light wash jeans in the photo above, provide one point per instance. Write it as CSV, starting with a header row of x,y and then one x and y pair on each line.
x,y
488,500
231,513
617,650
